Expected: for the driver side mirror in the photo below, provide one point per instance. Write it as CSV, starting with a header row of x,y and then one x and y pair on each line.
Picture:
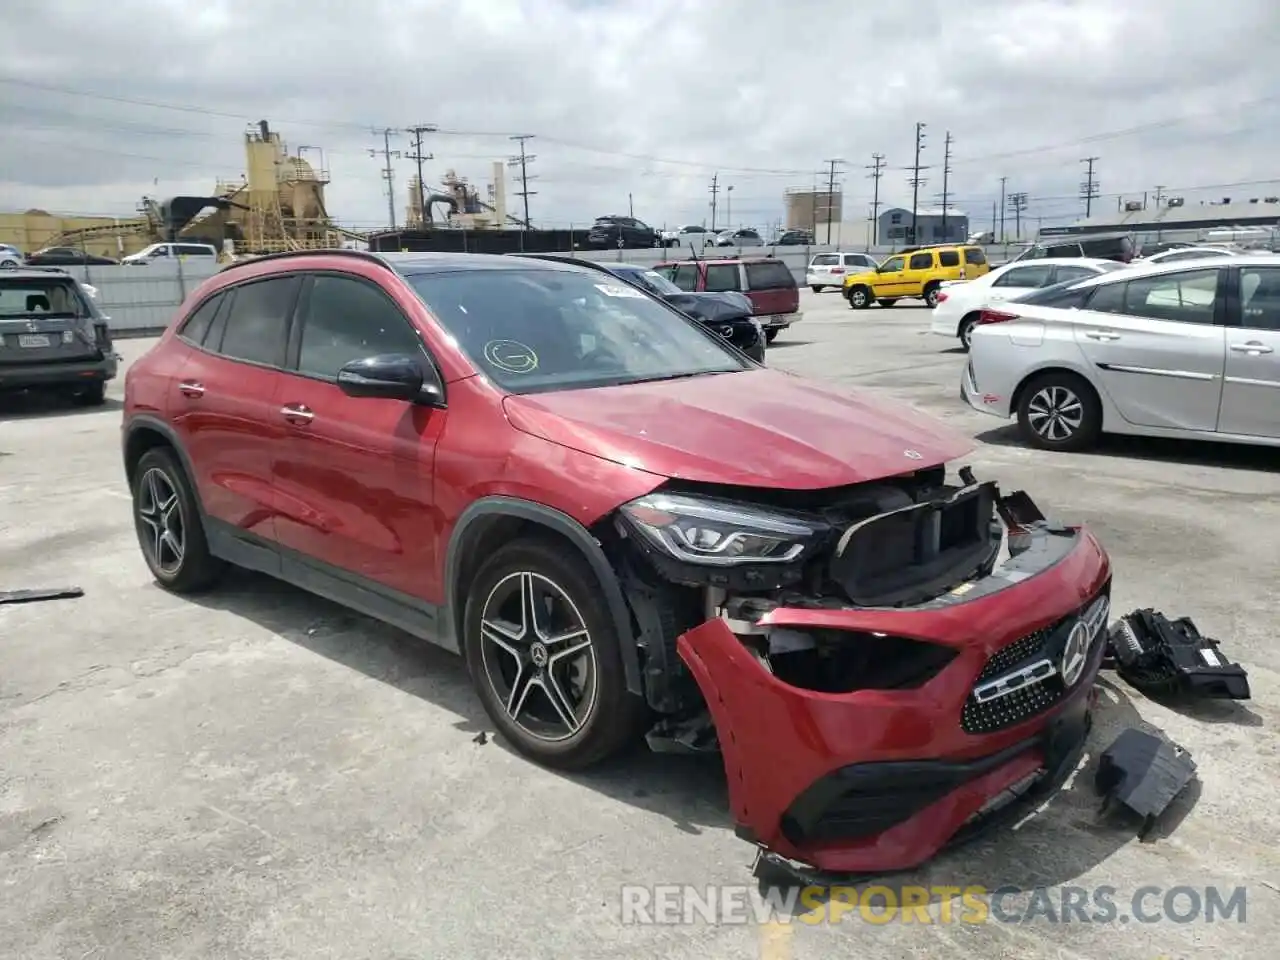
x,y
392,377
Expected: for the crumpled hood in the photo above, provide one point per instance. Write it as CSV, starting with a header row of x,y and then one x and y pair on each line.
x,y
760,428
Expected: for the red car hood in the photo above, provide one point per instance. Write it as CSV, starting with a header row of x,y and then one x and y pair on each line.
x,y
760,428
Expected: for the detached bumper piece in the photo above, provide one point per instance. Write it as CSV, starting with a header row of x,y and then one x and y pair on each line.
x,y
1143,773
35,596
1162,657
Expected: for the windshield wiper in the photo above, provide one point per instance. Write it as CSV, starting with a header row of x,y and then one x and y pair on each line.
x,y
684,376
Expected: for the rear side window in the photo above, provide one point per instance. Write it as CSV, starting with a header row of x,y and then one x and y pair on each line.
x,y
722,277
769,275
857,260
257,323
974,255
920,261
949,258
1071,294
686,277
198,323
1064,250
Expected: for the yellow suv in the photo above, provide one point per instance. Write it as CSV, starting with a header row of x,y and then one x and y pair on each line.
x,y
915,272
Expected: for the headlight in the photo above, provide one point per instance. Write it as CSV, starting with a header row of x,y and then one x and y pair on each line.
x,y
720,534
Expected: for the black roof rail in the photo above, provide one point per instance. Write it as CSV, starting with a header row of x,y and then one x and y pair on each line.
x,y
365,255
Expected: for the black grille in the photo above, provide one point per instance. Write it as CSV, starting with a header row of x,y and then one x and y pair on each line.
x,y
1036,698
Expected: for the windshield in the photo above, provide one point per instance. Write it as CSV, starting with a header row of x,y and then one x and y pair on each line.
x,y
536,330
654,281
39,298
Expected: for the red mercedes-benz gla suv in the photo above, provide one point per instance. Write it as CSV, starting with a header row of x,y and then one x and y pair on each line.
x,y
628,527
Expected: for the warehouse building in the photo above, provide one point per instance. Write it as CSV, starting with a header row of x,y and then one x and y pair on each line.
x,y
1256,219
893,227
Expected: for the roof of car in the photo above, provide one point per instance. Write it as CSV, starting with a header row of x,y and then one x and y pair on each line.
x,y
35,273
717,260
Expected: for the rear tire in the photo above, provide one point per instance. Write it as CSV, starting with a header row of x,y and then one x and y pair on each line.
x,y
544,657
815,288
94,395
170,531
965,333
771,335
931,295
859,298
1059,410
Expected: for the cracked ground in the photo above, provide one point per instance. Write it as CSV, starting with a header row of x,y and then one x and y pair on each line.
x,y
259,774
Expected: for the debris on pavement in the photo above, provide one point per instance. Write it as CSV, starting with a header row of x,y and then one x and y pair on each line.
x,y
481,738
1161,656
1144,773
34,596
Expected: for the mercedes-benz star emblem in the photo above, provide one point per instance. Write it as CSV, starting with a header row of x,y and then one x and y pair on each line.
x,y
538,654
1075,653
913,454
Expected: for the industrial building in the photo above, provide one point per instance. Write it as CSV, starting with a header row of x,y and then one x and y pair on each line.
x,y
36,229
893,227
1175,219
812,208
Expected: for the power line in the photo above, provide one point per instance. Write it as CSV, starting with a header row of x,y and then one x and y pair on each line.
x,y
1089,189
523,162
831,190
418,157
388,172
877,171
916,181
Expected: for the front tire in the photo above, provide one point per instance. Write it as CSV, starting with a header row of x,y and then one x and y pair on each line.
x,y
815,288
544,658
170,532
1060,411
859,298
771,335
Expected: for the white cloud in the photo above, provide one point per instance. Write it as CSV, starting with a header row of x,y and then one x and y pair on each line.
x,y
615,91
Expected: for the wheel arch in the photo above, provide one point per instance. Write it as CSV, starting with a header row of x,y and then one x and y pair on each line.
x,y
1016,398
490,521
971,315
146,433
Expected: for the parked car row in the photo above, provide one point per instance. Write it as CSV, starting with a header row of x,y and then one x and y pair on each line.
x,y
12,258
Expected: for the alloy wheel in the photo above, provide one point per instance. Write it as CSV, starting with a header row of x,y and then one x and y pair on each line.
x,y
538,656
858,298
1055,413
160,522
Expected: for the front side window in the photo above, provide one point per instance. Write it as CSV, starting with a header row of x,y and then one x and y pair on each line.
x,y
537,330
347,319
686,277
893,265
257,323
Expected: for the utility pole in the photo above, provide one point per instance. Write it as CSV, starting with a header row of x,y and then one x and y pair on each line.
x,y
388,172
1002,183
946,182
916,182
1089,189
715,190
831,192
1159,194
523,162
419,158
877,171
1018,203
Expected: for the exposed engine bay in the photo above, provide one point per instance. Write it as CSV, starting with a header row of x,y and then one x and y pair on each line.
x,y
689,554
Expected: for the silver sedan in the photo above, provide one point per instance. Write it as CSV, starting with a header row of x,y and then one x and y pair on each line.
x,y
1189,349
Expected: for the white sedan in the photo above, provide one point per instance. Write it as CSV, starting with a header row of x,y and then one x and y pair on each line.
x,y
1189,349
960,303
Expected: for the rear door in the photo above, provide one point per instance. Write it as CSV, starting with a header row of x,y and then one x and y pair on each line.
x,y
1251,387
1158,346
771,287
224,407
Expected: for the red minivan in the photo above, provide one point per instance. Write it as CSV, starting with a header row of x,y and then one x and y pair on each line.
x,y
766,280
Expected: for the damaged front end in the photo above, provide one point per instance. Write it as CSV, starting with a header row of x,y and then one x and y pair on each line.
x,y
880,666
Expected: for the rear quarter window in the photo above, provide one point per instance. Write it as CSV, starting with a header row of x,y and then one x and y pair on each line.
x,y
949,258
974,255
769,275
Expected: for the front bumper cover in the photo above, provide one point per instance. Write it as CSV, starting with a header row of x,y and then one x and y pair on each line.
x,y
882,780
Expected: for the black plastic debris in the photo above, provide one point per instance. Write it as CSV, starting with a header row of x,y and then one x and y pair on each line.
x,y
1144,773
34,596
1160,656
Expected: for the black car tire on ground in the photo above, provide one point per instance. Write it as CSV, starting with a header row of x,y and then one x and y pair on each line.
x,y
93,395
612,718
931,294
771,335
886,303
966,331
815,288
859,298
1062,403
162,494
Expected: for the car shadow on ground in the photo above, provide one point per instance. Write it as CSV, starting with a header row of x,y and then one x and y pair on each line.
x,y
1063,839
1201,453
689,791
32,404
789,343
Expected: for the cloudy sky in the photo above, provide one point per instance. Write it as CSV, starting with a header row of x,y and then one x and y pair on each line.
x,y
648,99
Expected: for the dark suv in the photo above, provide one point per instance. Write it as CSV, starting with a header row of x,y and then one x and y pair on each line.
x,y
628,528
625,232
767,282
53,335
1111,246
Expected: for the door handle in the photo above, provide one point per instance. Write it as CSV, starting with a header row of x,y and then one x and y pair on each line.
x,y
1102,335
1253,348
297,413
189,388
